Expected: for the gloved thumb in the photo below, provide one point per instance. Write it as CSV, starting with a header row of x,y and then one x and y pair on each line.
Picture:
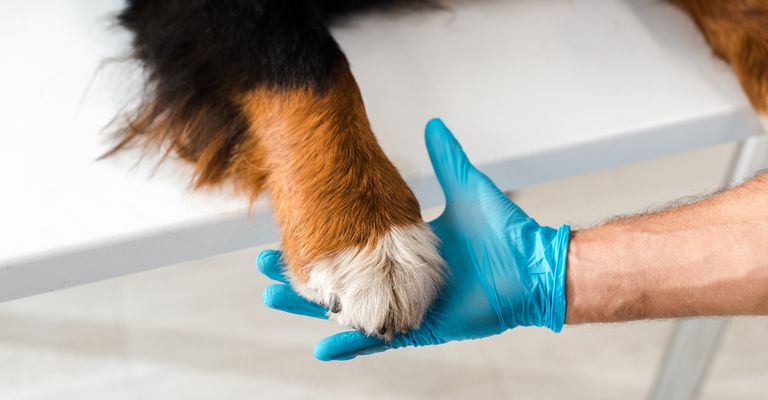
x,y
451,165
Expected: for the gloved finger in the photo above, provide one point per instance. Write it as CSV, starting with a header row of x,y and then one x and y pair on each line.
x,y
348,345
282,297
451,165
455,172
268,263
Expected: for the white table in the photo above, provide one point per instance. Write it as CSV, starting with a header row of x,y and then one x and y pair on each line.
x,y
535,91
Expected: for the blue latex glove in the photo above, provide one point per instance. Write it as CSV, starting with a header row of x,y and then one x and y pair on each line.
x,y
505,270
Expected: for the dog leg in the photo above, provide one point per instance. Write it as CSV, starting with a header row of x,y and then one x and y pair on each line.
x,y
737,30
258,92
352,232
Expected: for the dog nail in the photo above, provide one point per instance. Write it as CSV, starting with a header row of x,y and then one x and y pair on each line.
x,y
335,304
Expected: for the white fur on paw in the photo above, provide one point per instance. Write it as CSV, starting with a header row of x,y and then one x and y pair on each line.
x,y
764,120
382,289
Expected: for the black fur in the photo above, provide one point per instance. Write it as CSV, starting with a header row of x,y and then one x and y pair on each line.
x,y
201,56
226,45
333,9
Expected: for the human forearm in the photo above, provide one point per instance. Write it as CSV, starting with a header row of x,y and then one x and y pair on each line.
x,y
706,258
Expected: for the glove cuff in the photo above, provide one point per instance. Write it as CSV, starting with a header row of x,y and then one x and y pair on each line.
x,y
557,304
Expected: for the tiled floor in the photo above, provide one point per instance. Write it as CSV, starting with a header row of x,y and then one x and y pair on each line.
x,y
198,330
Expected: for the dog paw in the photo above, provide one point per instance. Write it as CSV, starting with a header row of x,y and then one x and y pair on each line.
x,y
382,288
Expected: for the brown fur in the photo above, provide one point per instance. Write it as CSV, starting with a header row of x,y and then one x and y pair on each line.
x,y
208,138
332,186
737,30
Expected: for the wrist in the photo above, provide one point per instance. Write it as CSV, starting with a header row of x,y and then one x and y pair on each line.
x,y
579,306
599,286
557,300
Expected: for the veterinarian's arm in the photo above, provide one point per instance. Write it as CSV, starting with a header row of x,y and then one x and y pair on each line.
x,y
707,258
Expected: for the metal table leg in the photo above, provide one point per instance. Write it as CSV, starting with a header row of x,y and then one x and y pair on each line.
x,y
695,341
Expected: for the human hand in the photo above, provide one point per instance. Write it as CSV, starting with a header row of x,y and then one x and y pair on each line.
x,y
504,269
